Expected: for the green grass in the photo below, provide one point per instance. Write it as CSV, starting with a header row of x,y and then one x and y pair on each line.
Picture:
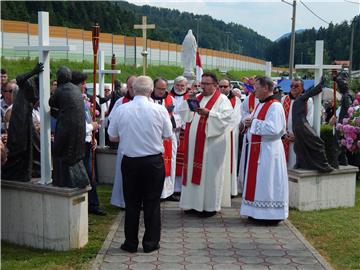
x,y
19,258
22,65
335,233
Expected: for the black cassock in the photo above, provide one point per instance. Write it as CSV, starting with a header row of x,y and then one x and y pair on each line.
x,y
69,138
23,141
309,148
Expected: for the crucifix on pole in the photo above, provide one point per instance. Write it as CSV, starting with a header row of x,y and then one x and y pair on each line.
x,y
318,67
44,86
144,28
102,71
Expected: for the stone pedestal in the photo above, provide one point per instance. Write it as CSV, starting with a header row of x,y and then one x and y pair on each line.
x,y
44,216
106,164
311,190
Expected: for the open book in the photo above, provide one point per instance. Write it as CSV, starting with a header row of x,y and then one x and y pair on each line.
x,y
193,104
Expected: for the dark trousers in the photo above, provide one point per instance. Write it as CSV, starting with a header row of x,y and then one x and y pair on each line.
x,y
93,202
143,181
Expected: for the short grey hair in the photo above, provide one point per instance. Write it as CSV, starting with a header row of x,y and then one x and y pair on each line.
x,y
143,85
180,79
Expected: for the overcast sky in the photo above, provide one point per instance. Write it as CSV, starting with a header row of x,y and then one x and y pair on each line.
x,y
270,18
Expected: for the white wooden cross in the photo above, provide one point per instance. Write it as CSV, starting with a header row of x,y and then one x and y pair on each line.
x,y
318,67
102,71
144,27
44,57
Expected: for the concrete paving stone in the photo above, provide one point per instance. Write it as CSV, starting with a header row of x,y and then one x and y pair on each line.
x,y
282,267
216,229
260,230
118,239
251,260
226,266
270,246
115,244
194,229
213,240
172,245
199,252
224,259
273,253
194,240
113,266
246,246
236,229
177,240
310,267
299,253
266,241
223,245
142,266
144,259
198,266
264,235
277,260
247,253
171,266
171,258
216,234
221,252
195,246
165,251
304,260
294,246
171,234
254,267
197,259
238,242
115,251
117,258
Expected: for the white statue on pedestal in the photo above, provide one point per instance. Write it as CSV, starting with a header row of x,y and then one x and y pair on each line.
x,y
188,55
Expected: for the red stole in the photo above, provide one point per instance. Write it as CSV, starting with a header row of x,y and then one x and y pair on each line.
x,y
125,100
199,142
167,144
254,155
251,104
233,103
181,146
286,106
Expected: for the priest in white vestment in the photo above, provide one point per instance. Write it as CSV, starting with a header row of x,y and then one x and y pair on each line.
x,y
208,129
265,195
226,88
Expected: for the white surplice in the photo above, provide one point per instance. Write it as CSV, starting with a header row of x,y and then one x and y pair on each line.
x,y
209,195
309,116
236,119
271,191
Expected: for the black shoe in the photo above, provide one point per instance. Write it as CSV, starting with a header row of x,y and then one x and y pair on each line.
x,y
190,212
127,248
265,222
206,214
172,198
151,249
97,211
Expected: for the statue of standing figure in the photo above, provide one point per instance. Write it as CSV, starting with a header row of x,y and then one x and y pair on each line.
x,y
69,138
309,148
23,141
188,55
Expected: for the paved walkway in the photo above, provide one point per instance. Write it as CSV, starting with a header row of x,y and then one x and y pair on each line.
x,y
224,242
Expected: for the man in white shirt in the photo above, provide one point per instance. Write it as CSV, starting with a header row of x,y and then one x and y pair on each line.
x,y
140,127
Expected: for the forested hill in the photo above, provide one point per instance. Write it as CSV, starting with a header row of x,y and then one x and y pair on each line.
x,y
119,17
336,45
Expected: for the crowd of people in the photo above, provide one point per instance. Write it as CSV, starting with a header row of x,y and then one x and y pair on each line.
x,y
200,143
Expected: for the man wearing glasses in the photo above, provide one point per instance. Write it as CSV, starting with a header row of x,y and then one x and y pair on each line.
x,y
226,89
204,189
297,88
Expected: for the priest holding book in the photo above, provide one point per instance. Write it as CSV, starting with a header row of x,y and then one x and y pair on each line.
x,y
207,134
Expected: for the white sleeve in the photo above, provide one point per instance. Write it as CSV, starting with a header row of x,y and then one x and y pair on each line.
x,y
89,127
167,126
310,111
113,127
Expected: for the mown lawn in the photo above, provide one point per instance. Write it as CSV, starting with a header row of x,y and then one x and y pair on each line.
x,y
20,258
335,233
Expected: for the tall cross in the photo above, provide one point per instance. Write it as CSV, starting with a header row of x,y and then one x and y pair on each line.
x,y
318,67
44,57
268,67
102,71
144,27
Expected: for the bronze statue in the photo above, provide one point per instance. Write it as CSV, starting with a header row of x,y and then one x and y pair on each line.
x,y
23,161
69,138
309,148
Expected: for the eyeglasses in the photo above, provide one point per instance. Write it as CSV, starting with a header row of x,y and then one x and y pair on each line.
x,y
207,83
106,90
196,85
294,85
7,91
223,86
